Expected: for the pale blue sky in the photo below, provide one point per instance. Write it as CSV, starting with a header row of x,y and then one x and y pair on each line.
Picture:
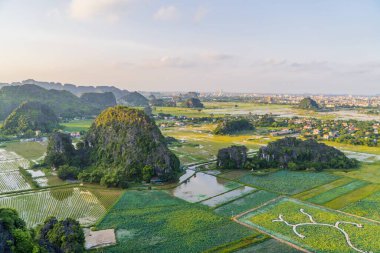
x,y
247,46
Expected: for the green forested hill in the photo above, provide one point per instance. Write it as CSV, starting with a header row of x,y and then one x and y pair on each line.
x,y
99,100
31,116
63,103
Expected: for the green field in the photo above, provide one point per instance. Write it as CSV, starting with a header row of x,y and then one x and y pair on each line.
x,y
319,233
269,246
158,222
353,196
368,171
245,203
199,144
368,207
288,182
28,150
77,125
321,189
78,203
337,192
228,196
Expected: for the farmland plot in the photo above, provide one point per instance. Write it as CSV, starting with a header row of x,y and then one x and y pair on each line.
x,y
368,207
288,182
158,222
228,196
35,207
12,181
246,203
315,228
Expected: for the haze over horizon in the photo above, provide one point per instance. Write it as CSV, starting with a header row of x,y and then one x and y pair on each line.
x,y
329,47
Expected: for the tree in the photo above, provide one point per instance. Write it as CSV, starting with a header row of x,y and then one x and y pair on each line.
x,y
65,236
14,236
147,173
68,172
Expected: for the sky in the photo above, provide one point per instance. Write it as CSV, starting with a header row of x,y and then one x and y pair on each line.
x,y
276,46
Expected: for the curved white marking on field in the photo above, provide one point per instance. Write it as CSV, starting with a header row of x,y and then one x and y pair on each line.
x,y
313,222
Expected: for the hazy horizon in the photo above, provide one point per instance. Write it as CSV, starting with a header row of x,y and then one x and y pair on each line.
x,y
315,47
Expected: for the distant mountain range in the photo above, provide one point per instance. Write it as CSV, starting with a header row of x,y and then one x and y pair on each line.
x,y
66,100
76,90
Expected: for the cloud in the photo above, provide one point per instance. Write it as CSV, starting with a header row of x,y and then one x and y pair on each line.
x,y
218,56
167,13
88,9
200,14
170,62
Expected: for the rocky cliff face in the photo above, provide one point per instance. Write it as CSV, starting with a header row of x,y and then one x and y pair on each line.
x,y
308,104
292,150
129,140
233,157
60,150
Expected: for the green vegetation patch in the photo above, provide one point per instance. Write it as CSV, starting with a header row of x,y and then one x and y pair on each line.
x,y
154,221
271,245
353,196
368,171
289,182
228,196
337,192
77,125
321,189
28,150
368,207
317,227
246,203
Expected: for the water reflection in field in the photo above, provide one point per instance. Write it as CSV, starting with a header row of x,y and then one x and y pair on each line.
x,y
202,186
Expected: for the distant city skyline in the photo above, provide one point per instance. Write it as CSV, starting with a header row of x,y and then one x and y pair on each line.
x,y
267,46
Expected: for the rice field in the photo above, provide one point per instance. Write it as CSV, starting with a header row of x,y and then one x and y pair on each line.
x,y
245,203
12,181
228,196
288,182
315,228
34,207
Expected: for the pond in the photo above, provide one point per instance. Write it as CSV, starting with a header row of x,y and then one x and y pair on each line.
x,y
202,186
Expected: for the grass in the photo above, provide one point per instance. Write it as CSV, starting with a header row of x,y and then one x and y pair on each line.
x,y
154,221
245,203
353,196
323,188
368,207
337,192
28,150
354,148
288,182
77,125
317,238
367,171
